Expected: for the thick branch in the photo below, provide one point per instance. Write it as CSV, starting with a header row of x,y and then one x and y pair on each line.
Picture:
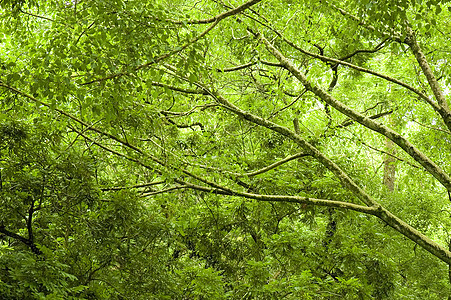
x,y
293,199
444,111
416,154
414,235
309,148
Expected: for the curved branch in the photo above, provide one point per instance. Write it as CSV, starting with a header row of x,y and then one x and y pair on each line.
x,y
256,172
177,187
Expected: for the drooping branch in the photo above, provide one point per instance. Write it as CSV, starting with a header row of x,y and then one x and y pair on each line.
x,y
398,139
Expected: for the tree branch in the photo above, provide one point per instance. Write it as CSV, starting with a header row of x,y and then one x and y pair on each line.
x,y
394,35
377,48
136,186
224,15
178,89
153,193
374,209
398,139
444,110
237,67
21,239
388,78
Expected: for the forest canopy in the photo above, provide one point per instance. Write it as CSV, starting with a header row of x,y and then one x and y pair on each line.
x,y
217,149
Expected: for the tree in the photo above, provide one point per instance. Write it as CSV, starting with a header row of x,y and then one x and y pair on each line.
x,y
203,149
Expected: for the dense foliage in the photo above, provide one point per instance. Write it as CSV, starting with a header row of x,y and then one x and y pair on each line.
x,y
225,149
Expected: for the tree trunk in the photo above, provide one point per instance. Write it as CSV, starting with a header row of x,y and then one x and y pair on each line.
x,y
389,165
449,272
